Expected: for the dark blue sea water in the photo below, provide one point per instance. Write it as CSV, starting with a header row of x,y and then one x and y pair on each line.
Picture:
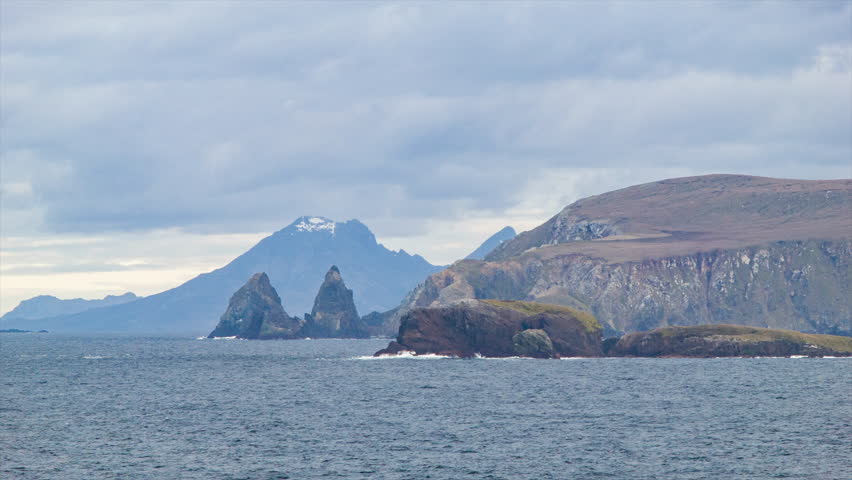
x,y
139,408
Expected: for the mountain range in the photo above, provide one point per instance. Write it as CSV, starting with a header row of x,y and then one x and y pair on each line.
x,y
712,249
296,259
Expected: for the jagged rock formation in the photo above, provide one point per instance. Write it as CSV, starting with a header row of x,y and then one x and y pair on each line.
x,y
255,312
498,329
699,250
728,341
334,314
507,233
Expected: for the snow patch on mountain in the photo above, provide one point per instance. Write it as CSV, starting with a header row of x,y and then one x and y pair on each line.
x,y
315,224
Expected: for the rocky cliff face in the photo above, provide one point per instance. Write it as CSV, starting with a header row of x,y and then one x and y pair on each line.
x,y
715,249
800,286
334,313
255,312
728,341
498,329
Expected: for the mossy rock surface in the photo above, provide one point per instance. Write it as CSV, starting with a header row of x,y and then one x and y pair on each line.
x,y
746,334
723,340
588,320
533,343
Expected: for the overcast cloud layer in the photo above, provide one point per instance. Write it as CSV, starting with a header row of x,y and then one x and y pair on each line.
x,y
209,125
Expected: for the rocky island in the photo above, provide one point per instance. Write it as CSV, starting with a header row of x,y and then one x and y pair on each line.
x,y
256,312
334,314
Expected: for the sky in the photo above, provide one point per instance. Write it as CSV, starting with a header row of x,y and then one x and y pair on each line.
x,y
143,143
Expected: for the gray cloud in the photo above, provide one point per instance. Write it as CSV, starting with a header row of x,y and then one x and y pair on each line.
x,y
224,116
79,268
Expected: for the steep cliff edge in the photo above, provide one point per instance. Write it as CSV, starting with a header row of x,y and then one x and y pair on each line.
x,y
700,250
728,341
498,329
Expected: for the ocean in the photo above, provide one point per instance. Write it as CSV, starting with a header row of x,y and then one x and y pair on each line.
x,y
185,408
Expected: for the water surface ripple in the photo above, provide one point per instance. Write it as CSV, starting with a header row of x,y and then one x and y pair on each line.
x,y
154,408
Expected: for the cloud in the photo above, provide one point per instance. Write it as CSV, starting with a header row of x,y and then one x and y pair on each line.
x,y
122,119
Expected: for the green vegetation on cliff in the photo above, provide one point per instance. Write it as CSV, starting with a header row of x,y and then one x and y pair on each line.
x,y
756,334
588,320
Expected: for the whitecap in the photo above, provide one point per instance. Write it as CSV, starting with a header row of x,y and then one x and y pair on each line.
x,y
407,354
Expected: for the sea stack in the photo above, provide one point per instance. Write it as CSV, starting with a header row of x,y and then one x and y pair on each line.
x,y
334,314
255,312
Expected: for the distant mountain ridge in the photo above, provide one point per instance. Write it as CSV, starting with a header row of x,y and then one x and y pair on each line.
x,y
494,241
296,259
46,306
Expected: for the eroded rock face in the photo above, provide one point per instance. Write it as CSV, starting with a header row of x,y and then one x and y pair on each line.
x,y
334,314
707,341
801,285
255,312
492,328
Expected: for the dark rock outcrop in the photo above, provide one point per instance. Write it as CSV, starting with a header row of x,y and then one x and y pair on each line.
x,y
334,314
728,341
534,342
494,328
255,312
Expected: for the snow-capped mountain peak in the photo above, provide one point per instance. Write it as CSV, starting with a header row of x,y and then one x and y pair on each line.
x,y
314,224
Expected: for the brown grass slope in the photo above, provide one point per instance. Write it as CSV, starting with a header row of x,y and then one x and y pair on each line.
x,y
682,216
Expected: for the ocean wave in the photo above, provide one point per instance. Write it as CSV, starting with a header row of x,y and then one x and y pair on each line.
x,y
405,354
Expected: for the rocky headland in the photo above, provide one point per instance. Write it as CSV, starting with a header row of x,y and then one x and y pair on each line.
x,y
713,249
493,328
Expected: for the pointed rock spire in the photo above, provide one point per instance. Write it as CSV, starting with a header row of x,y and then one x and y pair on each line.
x,y
255,311
334,313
